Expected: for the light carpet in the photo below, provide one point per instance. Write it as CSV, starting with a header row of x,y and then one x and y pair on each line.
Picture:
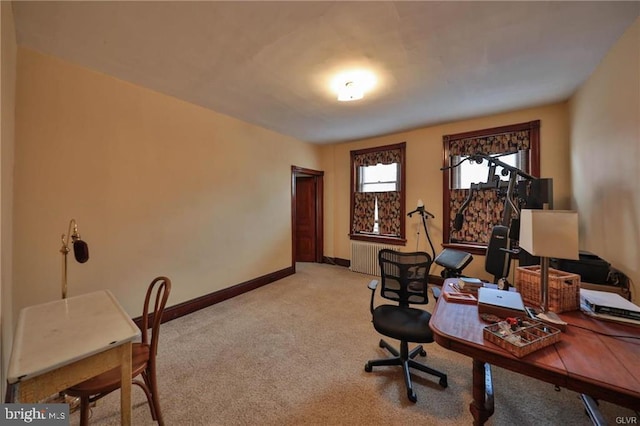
x,y
293,352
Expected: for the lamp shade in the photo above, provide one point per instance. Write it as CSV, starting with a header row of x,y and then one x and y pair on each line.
x,y
549,233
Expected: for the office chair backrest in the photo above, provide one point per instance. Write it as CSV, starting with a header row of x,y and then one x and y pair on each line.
x,y
404,276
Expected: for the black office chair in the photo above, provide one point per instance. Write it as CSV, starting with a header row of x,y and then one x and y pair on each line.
x,y
404,279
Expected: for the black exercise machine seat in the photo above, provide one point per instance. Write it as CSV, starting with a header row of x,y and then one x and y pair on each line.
x,y
453,262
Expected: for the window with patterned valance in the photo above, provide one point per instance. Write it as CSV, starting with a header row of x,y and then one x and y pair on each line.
x,y
377,194
518,143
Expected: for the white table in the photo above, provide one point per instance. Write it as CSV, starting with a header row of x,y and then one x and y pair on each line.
x,y
62,343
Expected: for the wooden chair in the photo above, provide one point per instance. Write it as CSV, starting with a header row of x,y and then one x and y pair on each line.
x,y
143,359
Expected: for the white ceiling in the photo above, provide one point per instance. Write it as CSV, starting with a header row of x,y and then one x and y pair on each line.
x,y
270,63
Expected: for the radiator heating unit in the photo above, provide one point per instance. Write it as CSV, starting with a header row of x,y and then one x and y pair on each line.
x,y
364,256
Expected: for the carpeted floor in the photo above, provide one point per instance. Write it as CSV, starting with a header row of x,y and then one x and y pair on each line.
x,y
293,352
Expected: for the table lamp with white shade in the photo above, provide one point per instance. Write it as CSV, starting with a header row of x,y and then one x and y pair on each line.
x,y
547,234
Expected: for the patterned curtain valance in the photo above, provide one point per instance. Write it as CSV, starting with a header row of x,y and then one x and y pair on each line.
x,y
372,158
492,144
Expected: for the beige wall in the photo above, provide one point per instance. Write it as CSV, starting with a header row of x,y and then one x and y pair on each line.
x,y
605,150
424,178
7,138
158,186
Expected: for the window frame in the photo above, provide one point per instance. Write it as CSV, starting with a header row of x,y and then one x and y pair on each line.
x,y
533,169
385,239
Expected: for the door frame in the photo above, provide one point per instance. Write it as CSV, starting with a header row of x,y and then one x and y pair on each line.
x,y
318,180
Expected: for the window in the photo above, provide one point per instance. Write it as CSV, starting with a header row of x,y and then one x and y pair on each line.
x,y
515,145
378,178
377,194
470,171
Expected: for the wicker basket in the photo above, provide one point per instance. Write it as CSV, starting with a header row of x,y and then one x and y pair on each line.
x,y
533,335
564,288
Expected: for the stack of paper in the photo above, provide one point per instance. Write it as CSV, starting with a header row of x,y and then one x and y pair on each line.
x,y
609,306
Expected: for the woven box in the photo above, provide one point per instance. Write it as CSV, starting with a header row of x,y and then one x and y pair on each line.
x,y
564,288
530,337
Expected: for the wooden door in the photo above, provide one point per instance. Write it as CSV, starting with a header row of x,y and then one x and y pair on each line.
x,y
306,241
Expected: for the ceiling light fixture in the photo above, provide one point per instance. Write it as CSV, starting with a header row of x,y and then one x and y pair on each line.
x,y
350,92
352,85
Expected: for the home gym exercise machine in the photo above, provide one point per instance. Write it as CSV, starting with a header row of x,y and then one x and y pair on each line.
x,y
453,261
520,191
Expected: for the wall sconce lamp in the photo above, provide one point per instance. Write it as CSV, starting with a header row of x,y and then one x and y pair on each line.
x,y
549,233
80,251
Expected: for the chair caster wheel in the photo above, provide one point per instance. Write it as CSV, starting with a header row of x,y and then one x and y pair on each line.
x,y
368,368
381,343
412,396
443,382
423,353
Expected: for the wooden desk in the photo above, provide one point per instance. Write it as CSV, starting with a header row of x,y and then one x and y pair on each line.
x,y
65,342
583,361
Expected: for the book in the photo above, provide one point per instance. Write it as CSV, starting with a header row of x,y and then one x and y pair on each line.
x,y
473,282
469,285
611,304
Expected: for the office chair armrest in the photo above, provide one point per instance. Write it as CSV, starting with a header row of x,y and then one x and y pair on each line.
x,y
436,292
372,286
